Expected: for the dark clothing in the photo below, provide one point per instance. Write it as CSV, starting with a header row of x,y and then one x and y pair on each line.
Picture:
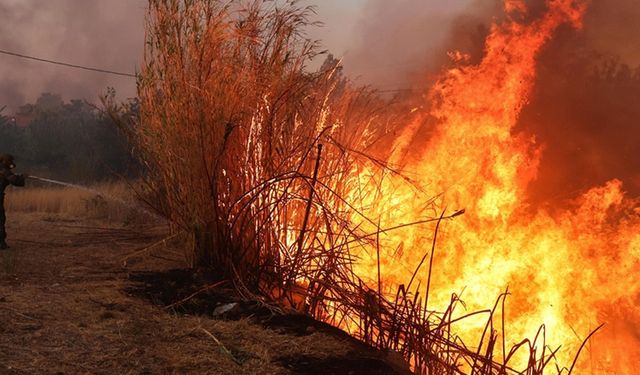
x,y
3,219
7,178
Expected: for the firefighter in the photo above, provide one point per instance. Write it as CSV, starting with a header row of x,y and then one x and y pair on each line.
x,y
7,177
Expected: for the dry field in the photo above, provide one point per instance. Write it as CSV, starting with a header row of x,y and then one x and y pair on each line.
x,y
70,305
111,202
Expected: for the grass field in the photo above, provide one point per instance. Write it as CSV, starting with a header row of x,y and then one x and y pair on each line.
x,y
112,202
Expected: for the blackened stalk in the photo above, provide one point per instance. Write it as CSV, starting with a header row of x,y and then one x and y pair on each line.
x,y
309,201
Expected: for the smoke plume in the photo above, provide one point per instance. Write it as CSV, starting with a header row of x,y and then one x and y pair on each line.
x,y
399,44
103,34
582,112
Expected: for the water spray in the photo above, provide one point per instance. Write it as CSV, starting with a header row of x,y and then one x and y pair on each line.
x,y
80,187
55,182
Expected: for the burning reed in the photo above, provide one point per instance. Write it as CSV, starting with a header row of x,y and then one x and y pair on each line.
x,y
229,125
269,168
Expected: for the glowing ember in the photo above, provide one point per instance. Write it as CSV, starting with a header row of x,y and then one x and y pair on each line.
x,y
569,270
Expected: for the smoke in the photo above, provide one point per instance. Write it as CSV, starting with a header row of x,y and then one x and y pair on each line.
x,y
398,43
582,112
104,34
612,29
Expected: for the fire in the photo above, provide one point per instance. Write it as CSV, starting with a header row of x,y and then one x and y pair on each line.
x,y
569,270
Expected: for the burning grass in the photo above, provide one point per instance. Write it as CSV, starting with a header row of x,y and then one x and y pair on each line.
x,y
269,168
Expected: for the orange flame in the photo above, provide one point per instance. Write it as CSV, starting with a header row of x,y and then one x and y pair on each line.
x,y
570,270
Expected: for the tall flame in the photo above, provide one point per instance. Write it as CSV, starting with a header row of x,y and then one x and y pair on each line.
x,y
569,270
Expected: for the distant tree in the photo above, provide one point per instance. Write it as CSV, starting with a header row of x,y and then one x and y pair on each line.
x,y
73,141
11,137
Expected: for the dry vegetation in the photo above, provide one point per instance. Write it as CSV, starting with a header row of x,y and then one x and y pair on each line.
x,y
111,202
229,126
256,158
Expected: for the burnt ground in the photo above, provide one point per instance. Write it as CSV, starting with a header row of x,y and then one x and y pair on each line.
x,y
69,305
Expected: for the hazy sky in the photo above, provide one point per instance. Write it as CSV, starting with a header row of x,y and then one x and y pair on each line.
x,y
109,34
101,33
387,43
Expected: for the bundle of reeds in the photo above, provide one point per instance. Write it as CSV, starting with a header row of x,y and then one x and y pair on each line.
x,y
230,123
259,160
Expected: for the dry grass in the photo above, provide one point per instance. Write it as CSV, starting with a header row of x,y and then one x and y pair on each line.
x,y
112,202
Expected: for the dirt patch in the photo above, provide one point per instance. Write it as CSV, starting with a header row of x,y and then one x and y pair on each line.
x,y
68,306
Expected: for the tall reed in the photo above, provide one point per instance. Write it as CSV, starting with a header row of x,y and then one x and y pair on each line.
x,y
230,119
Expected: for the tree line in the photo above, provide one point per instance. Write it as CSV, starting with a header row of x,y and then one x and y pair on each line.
x,y
73,141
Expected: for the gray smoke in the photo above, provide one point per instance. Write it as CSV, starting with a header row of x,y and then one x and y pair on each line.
x,y
399,43
582,111
379,40
99,33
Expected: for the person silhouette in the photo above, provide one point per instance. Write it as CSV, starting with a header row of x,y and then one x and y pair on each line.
x,y
7,177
